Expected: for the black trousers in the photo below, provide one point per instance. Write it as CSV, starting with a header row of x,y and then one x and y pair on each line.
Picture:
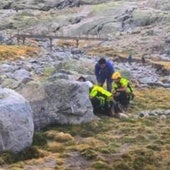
x,y
101,109
123,98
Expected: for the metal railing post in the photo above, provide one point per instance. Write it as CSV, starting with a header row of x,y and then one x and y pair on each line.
x,y
51,43
23,40
77,43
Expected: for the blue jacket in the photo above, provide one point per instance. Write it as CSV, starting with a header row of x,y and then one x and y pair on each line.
x,y
105,73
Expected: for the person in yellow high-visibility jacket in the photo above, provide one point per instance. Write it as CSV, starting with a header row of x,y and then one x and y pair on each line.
x,y
101,99
121,90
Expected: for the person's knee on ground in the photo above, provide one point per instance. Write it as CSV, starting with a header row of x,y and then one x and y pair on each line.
x,y
122,98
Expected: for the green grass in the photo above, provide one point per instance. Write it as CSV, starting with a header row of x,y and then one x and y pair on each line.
x,y
108,143
104,7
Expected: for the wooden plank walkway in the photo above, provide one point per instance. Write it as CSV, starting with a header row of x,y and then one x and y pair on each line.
x,y
51,37
60,37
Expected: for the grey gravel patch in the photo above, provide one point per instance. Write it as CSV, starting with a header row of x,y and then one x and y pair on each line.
x,y
154,113
75,159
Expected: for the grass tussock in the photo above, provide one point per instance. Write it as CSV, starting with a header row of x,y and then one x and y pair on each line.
x,y
55,147
136,144
13,52
60,136
28,153
108,51
152,98
63,43
98,165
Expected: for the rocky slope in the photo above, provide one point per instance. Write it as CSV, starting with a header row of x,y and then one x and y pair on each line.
x,y
132,26
140,26
48,83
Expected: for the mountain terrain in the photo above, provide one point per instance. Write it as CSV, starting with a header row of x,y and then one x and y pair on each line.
x,y
55,127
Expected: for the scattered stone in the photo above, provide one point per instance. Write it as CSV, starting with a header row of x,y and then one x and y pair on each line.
x,y
22,75
75,20
123,116
162,118
156,113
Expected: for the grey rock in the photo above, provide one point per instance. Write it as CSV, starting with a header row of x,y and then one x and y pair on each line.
x,y
69,72
168,38
28,67
76,51
166,79
91,78
123,116
32,60
159,4
75,20
22,76
167,112
58,102
147,80
5,68
83,66
10,83
16,121
141,18
58,76
64,55
162,118
1,38
60,4
144,114
155,113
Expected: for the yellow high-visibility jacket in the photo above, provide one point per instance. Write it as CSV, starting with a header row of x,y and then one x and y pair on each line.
x,y
100,93
122,83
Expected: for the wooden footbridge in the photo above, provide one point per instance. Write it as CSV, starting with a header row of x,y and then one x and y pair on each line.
x,y
23,37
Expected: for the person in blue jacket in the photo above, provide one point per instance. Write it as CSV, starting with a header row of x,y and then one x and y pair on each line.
x,y
103,71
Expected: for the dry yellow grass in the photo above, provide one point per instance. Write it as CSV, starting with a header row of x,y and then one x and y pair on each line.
x,y
59,136
166,64
152,98
66,43
109,51
73,43
13,52
55,147
93,142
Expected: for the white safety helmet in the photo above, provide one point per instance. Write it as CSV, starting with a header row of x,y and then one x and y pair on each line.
x,y
90,84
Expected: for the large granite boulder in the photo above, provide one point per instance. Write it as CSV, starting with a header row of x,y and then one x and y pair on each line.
x,y
16,122
58,102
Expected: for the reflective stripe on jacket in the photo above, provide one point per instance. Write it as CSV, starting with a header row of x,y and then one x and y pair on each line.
x,y
97,90
101,94
121,84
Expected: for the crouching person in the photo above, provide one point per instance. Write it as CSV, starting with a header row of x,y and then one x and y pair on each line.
x,y
101,100
122,92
